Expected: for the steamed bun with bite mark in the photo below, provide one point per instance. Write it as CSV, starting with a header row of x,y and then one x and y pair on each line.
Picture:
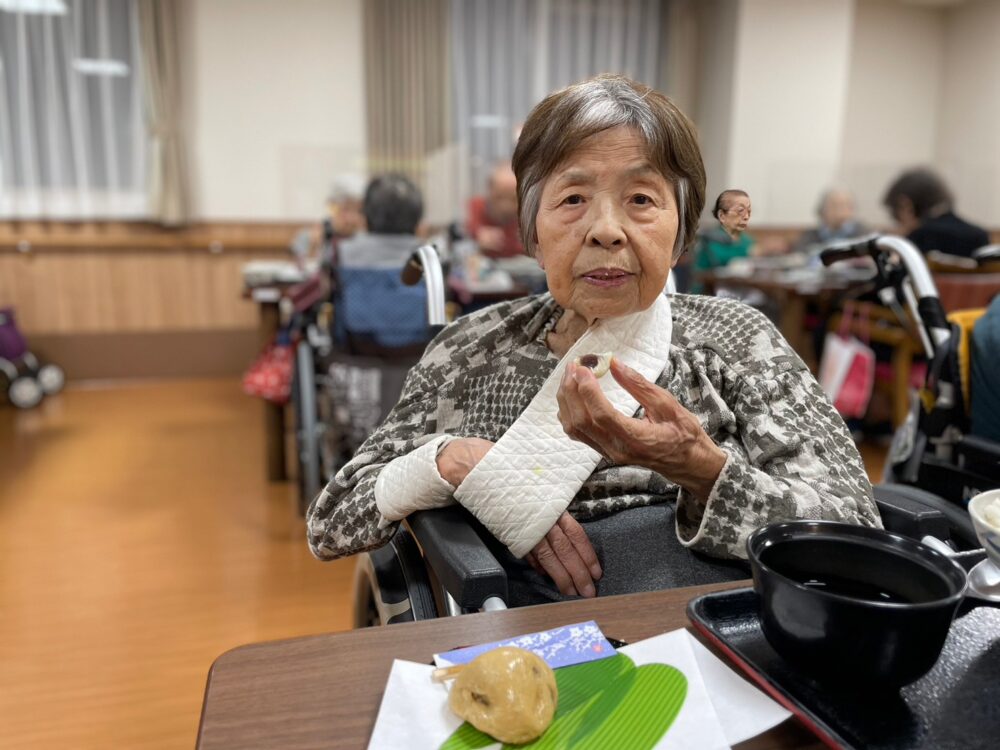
x,y
508,693
599,363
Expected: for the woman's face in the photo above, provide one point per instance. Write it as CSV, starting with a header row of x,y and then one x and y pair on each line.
x,y
606,226
736,215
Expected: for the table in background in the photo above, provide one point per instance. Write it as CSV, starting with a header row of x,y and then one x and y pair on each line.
x,y
268,299
474,282
792,289
324,691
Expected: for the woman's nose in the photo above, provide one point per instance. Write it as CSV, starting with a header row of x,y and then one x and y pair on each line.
x,y
607,230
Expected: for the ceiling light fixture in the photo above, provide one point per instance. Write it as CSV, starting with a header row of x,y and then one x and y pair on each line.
x,y
105,67
43,7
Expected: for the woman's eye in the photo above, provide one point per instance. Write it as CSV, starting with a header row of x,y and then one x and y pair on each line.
x,y
642,200
573,200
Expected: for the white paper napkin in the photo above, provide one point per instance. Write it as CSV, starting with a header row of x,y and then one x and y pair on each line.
x,y
721,708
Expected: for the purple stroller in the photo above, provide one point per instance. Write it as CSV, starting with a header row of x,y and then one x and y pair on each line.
x,y
28,381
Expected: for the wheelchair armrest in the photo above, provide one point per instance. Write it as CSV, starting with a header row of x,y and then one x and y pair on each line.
x,y
916,513
458,556
979,449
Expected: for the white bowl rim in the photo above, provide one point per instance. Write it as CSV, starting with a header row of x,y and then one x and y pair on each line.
x,y
975,508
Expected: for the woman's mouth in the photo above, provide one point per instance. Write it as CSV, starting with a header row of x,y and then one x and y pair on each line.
x,y
607,277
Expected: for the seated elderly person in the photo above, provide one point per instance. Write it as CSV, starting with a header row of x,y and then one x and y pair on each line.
x,y
375,310
493,217
922,207
652,475
729,240
837,221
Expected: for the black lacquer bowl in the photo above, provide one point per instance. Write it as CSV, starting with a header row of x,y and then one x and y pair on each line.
x,y
846,604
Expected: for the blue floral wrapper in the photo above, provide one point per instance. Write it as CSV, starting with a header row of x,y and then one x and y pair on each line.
x,y
559,647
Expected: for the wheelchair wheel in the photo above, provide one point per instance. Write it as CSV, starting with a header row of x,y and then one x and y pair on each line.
x,y
25,392
391,585
52,379
306,425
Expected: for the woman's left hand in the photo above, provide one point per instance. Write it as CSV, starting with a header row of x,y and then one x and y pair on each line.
x,y
668,439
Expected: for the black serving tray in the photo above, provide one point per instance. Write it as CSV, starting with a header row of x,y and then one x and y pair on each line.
x,y
955,706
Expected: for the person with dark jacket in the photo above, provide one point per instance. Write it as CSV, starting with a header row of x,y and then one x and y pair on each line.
x,y
921,205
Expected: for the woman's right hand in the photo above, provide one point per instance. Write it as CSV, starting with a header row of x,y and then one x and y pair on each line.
x,y
458,457
566,556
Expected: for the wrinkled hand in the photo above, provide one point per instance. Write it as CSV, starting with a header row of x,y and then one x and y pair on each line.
x,y
668,439
458,458
568,558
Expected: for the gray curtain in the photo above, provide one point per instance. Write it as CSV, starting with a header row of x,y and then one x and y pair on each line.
x,y
72,138
507,55
158,35
406,96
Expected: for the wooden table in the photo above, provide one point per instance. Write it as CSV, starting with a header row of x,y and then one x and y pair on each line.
x,y
324,691
268,301
791,295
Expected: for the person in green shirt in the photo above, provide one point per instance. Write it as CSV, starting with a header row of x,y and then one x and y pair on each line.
x,y
721,244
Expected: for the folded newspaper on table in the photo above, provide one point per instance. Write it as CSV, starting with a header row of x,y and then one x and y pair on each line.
x,y
668,692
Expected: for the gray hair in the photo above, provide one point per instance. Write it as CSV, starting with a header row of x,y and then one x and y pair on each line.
x,y
346,187
392,205
564,120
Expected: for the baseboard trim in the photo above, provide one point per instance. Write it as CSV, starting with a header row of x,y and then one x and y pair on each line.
x,y
156,354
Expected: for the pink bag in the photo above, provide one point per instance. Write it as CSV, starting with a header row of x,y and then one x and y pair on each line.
x,y
847,370
270,376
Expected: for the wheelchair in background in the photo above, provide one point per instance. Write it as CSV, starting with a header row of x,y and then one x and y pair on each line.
x,y
28,381
357,340
439,564
933,458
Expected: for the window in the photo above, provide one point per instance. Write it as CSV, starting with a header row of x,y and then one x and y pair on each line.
x,y
507,56
73,143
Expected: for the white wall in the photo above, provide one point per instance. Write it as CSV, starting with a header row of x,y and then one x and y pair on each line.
x,y
968,145
273,101
894,98
788,96
790,93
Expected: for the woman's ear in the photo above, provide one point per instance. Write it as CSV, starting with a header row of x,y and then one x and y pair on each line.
x,y
538,253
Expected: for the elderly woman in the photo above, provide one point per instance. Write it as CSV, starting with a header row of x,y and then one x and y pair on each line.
x,y
729,240
837,221
707,427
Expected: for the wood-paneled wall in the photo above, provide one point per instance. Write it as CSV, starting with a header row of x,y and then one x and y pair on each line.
x,y
103,292
125,278
120,300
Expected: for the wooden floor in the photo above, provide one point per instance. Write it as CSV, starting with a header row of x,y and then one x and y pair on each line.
x,y
138,541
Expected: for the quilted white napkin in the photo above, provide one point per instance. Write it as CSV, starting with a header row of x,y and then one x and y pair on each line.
x,y
525,482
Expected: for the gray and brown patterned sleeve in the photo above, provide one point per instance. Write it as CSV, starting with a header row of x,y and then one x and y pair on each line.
x,y
791,458
343,519
436,400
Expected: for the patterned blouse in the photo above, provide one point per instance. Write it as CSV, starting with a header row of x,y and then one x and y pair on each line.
x,y
790,455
